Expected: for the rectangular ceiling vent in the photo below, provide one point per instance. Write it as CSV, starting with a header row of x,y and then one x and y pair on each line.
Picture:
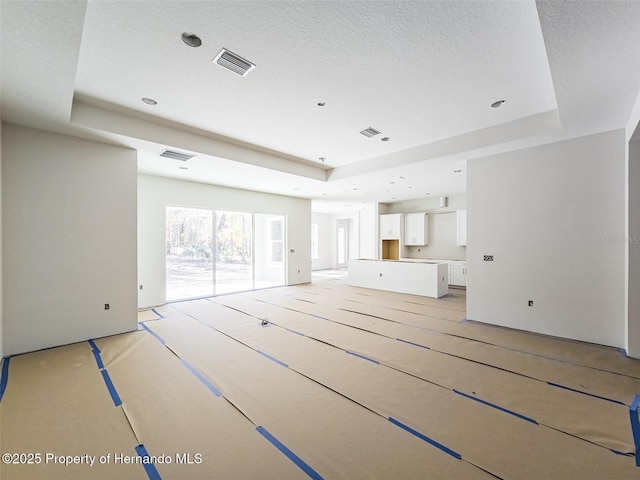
x,y
370,132
183,157
233,62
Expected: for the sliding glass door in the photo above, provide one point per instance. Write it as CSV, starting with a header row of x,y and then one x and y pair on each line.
x,y
212,253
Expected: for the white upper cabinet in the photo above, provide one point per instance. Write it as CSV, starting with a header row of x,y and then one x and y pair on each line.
x,y
390,226
416,229
462,227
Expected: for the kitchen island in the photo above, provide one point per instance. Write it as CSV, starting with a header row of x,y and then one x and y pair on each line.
x,y
416,277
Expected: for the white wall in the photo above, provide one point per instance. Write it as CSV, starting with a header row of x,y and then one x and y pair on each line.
x,y
553,217
443,227
155,193
1,308
325,241
633,248
369,229
69,246
328,240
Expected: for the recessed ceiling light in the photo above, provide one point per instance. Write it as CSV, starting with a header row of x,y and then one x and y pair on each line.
x,y
497,104
149,101
321,104
191,39
385,139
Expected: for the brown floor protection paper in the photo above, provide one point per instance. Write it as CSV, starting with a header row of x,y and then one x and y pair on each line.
x,y
57,403
357,383
334,435
620,388
249,332
594,356
176,416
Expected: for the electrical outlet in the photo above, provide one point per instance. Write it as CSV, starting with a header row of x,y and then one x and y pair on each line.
x,y
488,258
530,303
106,306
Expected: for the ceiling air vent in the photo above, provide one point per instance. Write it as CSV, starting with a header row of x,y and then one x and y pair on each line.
x,y
233,62
176,155
370,132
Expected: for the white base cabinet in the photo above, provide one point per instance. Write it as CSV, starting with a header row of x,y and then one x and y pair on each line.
x,y
413,277
458,273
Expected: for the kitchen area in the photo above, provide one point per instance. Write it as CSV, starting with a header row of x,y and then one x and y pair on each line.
x,y
416,247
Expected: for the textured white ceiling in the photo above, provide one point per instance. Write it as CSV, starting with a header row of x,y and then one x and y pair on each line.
x,y
416,71
424,73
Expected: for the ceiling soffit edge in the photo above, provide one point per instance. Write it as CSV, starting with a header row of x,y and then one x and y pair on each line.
x,y
496,136
178,136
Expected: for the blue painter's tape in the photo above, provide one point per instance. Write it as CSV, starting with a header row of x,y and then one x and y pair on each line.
x,y
464,320
635,426
411,343
96,354
112,389
623,352
94,347
5,376
585,393
157,337
149,467
289,454
430,441
200,377
618,452
272,358
157,313
363,357
293,331
502,409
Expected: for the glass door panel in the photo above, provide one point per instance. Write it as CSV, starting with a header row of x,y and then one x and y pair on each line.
x,y
233,260
270,249
189,253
